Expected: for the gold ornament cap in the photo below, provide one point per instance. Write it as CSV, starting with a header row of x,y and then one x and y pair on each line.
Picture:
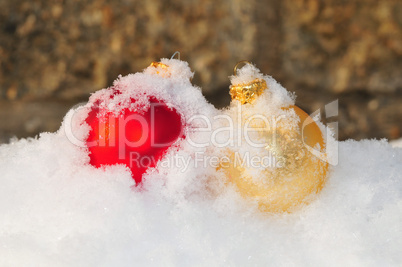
x,y
247,92
163,69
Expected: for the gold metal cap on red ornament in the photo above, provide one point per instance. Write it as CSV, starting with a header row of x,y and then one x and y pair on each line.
x,y
163,69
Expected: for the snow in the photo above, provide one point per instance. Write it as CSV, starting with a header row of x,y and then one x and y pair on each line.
x,y
175,89
57,210
397,143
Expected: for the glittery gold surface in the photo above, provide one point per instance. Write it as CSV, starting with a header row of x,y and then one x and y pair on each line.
x,y
298,176
248,92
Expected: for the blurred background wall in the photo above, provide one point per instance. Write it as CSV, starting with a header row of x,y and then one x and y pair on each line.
x,y
54,53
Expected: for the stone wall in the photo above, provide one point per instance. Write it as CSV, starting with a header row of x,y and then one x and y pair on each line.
x,y
53,54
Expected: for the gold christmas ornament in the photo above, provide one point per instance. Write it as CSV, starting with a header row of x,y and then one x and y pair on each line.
x,y
297,174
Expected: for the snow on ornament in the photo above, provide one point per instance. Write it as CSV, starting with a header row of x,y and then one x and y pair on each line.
x,y
142,116
271,162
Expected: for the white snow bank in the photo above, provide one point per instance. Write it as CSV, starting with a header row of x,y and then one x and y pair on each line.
x,y
56,210
396,143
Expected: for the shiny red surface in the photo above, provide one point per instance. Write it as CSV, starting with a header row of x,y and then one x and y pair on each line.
x,y
134,139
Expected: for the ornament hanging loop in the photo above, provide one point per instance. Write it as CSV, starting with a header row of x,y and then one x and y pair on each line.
x,y
176,53
242,62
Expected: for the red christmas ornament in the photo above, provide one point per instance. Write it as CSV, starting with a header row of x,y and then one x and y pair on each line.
x,y
138,140
137,137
